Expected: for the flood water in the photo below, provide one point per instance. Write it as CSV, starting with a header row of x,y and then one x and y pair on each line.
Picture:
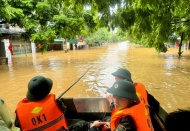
x,y
165,76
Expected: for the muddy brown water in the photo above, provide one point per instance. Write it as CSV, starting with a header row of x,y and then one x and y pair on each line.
x,y
165,76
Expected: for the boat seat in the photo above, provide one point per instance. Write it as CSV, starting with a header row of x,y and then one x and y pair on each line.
x,y
87,108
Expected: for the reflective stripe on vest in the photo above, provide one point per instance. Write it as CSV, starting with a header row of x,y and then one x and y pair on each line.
x,y
49,124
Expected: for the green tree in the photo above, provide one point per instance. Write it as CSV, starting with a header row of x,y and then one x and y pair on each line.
x,y
98,37
58,18
147,22
151,23
7,12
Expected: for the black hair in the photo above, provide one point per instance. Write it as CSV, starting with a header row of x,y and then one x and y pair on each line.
x,y
177,120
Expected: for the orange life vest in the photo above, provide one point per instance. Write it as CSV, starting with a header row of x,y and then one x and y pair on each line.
x,y
41,115
142,94
137,112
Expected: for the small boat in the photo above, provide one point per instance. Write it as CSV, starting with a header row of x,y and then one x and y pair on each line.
x,y
96,108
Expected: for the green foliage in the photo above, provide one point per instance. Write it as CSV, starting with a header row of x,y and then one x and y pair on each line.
x,y
119,35
68,26
44,36
153,22
44,18
126,18
45,12
100,36
148,22
89,20
30,26
8,12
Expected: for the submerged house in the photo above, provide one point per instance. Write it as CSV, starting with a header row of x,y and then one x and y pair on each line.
x,y
59,44
11,35
77,44
10,43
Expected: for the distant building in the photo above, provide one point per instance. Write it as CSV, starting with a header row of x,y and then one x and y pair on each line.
x,y
78,44
12,34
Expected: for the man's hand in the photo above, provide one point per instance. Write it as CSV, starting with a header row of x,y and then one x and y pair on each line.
x,y
106,126
98,124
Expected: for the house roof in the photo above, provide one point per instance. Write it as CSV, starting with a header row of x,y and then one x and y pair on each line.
x,y
73,41
58,41
11,31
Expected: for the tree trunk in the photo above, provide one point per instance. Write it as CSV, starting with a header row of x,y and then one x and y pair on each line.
x,y
180,52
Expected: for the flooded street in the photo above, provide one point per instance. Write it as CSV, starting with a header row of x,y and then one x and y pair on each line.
x,y
165,76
